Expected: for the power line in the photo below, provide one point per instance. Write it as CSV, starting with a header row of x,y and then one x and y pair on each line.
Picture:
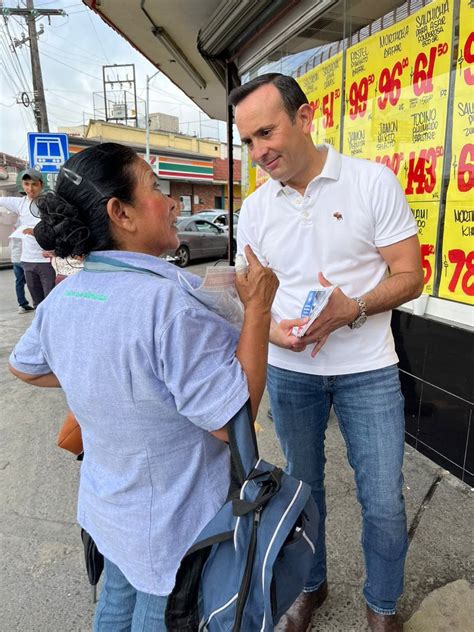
x,y
14,54
72,67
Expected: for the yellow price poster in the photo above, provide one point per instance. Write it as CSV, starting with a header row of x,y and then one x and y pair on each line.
x,y
457,276
426,215
461,183
359,91
396,91
253,177
322,85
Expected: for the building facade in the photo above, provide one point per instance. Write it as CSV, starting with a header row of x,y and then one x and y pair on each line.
x,y
190,169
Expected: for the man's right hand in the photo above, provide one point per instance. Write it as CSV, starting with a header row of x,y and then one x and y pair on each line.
x,y
282,336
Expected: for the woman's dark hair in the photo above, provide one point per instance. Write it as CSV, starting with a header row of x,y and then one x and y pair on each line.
x,y
290,91
74,219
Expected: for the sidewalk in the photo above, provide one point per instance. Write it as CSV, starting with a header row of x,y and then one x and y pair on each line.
x,y
43,584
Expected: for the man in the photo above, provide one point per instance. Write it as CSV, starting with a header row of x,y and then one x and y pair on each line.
x,y
39,273
326,219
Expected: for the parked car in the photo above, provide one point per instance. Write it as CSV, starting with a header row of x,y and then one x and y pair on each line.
x,y
218,217
198,239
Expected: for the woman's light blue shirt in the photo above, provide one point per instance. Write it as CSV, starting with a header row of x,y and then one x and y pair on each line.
x,y
148,372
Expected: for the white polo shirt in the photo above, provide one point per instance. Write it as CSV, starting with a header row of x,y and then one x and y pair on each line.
x,y
353,207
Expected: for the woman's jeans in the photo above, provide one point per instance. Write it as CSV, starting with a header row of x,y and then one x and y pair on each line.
x,y
369,408
121,608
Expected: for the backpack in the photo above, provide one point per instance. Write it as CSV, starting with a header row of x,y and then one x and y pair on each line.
x,y
251,560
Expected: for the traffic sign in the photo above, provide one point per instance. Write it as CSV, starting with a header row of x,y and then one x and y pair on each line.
x,y
47,152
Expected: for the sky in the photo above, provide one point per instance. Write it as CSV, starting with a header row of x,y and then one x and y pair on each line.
x,y
73,50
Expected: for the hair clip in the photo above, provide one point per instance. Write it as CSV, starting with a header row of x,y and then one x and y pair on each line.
x,y
74,177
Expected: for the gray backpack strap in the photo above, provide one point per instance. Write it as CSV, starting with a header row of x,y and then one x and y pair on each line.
x,y
243,442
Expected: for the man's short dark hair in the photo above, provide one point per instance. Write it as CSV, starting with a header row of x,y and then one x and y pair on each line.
x,y
291,94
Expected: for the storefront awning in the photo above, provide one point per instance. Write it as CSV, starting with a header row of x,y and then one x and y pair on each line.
x,y
166,33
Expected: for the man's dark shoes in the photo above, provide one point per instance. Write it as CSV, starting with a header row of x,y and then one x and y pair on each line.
x,y
383,622
298,617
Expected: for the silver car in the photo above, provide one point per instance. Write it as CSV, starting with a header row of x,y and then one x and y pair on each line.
x,y
219,218
198,239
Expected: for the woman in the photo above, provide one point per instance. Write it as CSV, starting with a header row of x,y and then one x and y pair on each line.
x,y
148,371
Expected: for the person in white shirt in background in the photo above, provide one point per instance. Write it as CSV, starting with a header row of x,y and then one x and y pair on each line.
x,y
20,281
39,273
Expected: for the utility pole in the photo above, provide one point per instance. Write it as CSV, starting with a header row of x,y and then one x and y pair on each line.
x,y
30,14
41,114
147,117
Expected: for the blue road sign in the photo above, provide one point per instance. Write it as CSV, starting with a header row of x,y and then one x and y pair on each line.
x,y
47,152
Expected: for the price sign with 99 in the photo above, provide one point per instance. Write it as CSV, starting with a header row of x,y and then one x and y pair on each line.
x,y
421,170
358,95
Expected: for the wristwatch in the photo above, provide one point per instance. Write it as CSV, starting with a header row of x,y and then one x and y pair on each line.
x,y
362,317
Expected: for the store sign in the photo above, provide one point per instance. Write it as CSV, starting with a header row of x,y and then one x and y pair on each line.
x,y
323,86
183,169
396,98
457,276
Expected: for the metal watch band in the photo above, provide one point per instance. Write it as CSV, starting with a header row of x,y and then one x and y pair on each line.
x,y
362,317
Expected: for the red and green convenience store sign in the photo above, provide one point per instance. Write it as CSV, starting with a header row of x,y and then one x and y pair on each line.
x,y
170,168
184,169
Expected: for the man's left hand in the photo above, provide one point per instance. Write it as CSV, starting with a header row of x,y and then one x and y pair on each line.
x,y
340,311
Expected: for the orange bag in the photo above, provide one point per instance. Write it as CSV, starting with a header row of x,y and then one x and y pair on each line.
x,y
70,436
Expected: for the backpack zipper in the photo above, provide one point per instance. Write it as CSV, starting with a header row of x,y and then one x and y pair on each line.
x,y
245,584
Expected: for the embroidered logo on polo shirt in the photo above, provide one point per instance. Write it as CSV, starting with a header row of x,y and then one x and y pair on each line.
x,y
92,296
338,216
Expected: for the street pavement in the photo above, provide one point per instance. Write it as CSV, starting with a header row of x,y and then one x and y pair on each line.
x,y
43,584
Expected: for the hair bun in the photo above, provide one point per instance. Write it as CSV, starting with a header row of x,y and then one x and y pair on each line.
x,y
60,228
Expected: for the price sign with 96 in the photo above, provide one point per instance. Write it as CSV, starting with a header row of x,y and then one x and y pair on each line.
x,y
390,85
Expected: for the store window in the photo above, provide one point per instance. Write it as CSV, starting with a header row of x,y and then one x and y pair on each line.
x,y
392,82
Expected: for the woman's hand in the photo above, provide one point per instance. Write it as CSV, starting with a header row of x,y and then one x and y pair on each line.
x,y
256,286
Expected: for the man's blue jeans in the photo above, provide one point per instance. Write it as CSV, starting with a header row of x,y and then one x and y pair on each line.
x,y
121,608
20,283
369,408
